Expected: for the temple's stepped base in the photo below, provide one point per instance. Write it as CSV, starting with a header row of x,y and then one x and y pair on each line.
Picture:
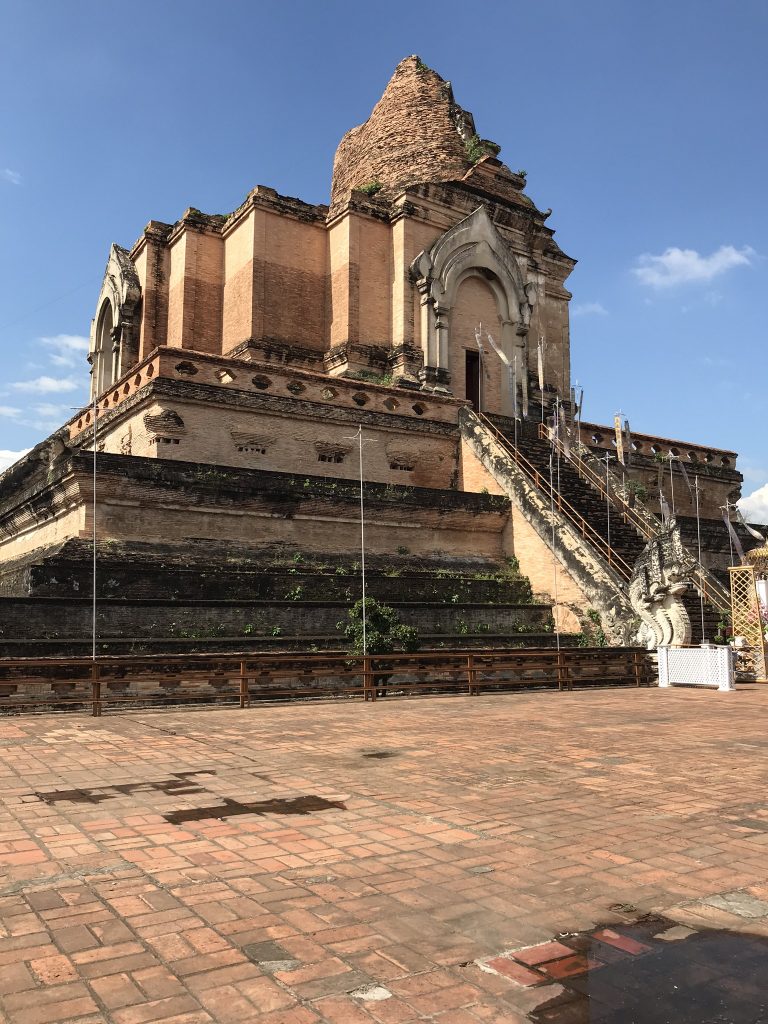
x,y
187,596
206,572
44,626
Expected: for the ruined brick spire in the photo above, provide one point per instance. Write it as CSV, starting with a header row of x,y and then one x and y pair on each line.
x,y
416,133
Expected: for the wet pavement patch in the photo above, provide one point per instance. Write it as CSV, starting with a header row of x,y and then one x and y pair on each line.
x,y
651,971
270,957
233,808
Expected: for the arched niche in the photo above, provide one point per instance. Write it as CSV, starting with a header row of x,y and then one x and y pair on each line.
x,y
114,344
103,370
471,248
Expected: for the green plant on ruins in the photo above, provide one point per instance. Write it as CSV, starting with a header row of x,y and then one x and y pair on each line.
x,y
370,188
384,632
477,148
592,634
635,489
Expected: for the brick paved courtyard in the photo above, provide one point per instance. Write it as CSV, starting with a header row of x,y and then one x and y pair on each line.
x,y
350,863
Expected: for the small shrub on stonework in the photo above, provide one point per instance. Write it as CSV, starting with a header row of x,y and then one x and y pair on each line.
x,y
370,188
477,148
592,634
383,630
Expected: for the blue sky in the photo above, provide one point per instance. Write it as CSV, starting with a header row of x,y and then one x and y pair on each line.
x,y
641,125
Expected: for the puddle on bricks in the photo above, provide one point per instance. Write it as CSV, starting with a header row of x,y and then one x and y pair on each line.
x,y
651,971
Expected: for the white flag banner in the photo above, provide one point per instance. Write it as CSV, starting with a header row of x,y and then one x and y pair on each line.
x,y
666,515
685,477
619,439
512,375
734,537
564,432
628,443
541,352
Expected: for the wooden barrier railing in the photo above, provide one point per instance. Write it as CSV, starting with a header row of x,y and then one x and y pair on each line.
x,y
124,682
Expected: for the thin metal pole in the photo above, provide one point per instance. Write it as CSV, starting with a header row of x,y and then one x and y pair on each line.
x,y
607,502
606,458
698,539
93,609
554,551
362,538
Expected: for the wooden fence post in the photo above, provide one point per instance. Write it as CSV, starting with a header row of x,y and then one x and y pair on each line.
x,y
563,682
95,690
369,690
472,675
245,696
636,658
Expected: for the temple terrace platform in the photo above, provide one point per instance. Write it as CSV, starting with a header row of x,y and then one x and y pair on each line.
x,y
292,864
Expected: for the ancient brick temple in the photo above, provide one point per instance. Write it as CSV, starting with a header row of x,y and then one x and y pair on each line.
x,y
234,360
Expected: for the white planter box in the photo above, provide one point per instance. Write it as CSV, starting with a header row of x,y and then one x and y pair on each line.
x,y
696,666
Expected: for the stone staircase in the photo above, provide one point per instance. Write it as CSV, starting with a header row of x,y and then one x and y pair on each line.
x,y
624,540
620,543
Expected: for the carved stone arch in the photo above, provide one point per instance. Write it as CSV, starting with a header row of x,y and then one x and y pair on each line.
x,y
114,344
471,247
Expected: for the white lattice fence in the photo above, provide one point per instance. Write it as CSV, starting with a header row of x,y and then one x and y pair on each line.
x,y
696,666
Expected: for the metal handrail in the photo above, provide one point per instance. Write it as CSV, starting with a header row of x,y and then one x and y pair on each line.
x,y
615,561
711,590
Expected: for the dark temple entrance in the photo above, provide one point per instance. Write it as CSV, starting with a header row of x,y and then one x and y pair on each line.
x,y
472,379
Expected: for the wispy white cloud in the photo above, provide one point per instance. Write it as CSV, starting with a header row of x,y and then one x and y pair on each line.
x,y
9,176
682,266
752,471
9,411
717,361
66,349
50,411
46,385
755,505
589,309
7,457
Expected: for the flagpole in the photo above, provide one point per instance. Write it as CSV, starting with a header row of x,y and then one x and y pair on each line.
x,y
606,458
93,516
362,537
698,539
554,550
